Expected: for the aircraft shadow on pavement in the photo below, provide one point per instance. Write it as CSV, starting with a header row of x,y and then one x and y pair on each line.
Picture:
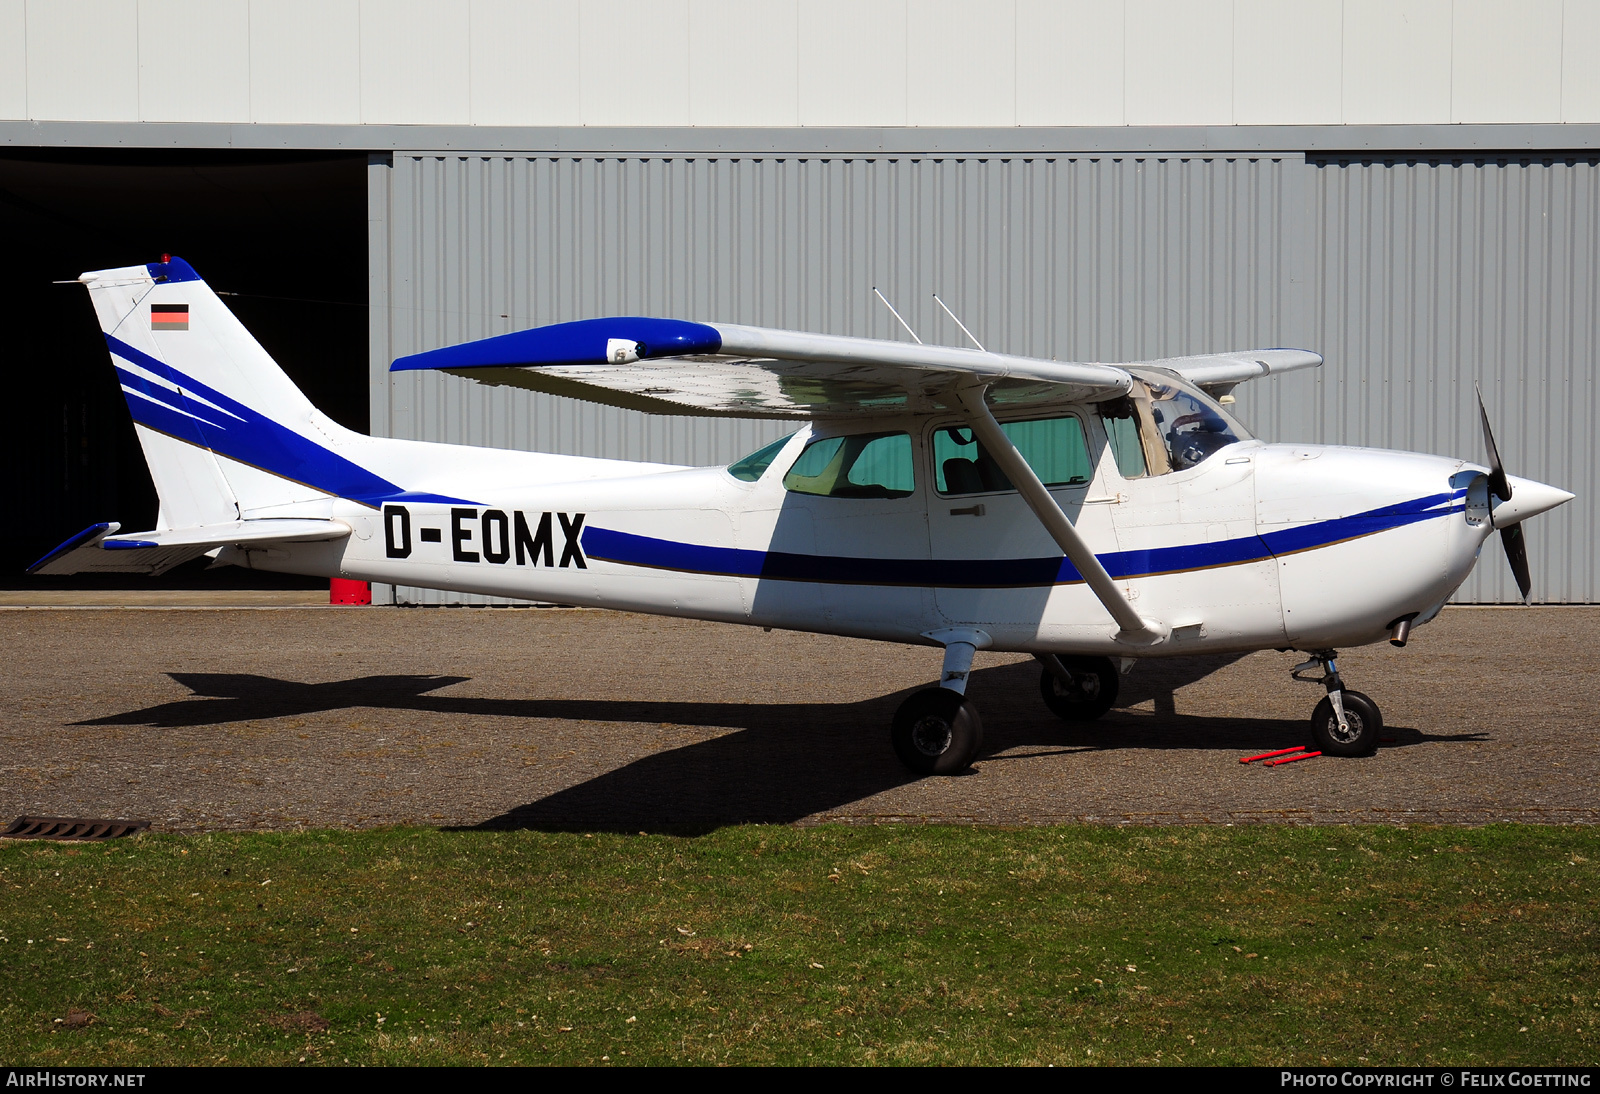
x,y
784,761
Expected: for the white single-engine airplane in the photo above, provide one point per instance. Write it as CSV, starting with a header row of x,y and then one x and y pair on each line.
x,y
1083,513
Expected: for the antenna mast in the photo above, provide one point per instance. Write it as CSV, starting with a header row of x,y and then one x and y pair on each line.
x,y
959,323
896,314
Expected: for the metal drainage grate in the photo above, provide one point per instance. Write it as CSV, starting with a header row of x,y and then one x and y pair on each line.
x,y
71,828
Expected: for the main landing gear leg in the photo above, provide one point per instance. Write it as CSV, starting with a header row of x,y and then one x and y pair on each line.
x,y
1079,689
1345,723
937,731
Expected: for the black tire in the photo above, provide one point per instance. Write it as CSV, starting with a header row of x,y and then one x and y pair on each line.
x,y
937,732
1093,689
1361,714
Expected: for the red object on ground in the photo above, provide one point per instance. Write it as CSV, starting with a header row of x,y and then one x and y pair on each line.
x,y
1291,759
1267,755
342,590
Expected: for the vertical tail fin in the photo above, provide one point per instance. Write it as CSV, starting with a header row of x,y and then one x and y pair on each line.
x,y
226,433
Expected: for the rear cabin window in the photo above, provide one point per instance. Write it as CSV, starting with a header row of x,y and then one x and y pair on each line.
x,y
1054,447
753,466
866,465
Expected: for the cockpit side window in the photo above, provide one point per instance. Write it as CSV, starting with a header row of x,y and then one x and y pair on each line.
x,y
1178,427
1053,447
1121,421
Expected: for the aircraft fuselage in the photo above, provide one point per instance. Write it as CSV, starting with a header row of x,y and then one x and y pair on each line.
x,y
1259,546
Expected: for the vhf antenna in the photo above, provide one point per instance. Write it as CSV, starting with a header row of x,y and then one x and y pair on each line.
x,y
959,323
896,314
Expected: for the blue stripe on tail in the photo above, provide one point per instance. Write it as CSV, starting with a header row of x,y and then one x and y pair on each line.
x,y
231,429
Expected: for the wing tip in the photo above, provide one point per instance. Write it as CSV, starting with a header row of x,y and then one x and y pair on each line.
x,y
580,342
94,531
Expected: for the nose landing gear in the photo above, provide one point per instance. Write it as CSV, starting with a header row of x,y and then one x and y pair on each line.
x,y
937,730
1345,722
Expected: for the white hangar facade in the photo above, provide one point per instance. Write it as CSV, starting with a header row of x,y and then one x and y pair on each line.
x,y
1409,187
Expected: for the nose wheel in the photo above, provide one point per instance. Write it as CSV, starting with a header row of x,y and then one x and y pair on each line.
x,y
1345,722
937,732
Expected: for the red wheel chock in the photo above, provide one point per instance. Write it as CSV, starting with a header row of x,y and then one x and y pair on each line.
x,y
1269,755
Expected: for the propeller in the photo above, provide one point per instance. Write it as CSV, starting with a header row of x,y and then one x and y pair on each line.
x,y
1511,537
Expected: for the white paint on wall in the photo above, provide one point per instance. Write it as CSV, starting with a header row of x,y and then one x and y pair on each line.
x,y
1070,62
744,62
961,63
13,59
300,76
802,62
1506,61
415,62
83,60
1179,60
184,44
635,58
524,62
1288,64
852,62
1396,62
1580,71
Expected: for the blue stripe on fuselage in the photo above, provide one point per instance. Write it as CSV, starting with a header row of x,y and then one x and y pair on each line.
x,y
626,548
242,434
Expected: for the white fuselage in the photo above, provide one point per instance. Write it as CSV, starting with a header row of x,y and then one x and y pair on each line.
x,y
1260,546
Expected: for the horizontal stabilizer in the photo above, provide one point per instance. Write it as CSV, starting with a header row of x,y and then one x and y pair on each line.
x,y
99,550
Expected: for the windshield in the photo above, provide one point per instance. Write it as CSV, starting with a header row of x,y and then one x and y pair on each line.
x,y
1187,424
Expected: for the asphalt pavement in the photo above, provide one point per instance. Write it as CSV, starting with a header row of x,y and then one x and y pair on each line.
x,y
282,715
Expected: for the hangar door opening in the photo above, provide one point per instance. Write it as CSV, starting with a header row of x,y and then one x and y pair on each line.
x,y
283,233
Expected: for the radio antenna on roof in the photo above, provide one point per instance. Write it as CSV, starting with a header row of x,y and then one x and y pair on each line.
x,y
896,314
959,323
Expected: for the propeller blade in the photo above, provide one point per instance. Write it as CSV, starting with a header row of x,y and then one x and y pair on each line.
x,y
1498,486
1517,554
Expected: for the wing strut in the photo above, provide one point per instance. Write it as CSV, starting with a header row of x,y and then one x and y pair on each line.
x,y
1135,628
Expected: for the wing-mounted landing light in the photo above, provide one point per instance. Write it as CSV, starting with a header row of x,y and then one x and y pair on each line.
x,y
1506,515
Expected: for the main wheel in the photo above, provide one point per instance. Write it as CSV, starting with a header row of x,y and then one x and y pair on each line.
x,y
1361,714
1091,693
937,732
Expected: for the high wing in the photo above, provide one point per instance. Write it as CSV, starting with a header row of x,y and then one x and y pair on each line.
x,y
99,550
672,366
1219,373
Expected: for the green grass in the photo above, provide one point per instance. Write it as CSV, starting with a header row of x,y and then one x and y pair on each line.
x,y
826,945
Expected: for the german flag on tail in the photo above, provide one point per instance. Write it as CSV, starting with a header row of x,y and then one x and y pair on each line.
x,y
169,317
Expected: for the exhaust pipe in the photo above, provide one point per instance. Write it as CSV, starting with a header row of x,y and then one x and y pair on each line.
x,y
1400,630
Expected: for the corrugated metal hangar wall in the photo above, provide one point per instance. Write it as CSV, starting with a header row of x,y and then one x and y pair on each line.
x,y
1415,277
